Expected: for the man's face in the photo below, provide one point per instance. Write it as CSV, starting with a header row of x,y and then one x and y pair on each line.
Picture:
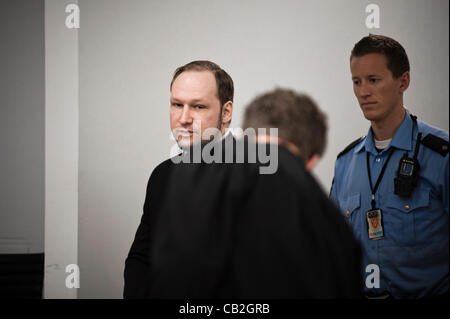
x,y
379,94
193,100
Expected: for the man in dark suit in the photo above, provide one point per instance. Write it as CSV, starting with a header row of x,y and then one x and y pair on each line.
x,y
224,230
201,100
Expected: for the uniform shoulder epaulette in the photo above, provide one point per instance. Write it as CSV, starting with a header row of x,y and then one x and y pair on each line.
x,y
351,145
436,143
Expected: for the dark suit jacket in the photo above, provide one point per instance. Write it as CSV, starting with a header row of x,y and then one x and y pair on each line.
x,y
226,231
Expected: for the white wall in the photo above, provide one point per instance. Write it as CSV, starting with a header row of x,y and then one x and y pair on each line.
x,y
128,51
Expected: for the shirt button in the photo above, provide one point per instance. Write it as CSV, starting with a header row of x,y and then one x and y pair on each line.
x,y
407,207
347,212
378,160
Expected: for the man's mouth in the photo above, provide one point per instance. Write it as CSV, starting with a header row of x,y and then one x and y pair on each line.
x,y
368,103
183,132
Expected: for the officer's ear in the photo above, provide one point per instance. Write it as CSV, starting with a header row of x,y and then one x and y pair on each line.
x,y
404,82
311,163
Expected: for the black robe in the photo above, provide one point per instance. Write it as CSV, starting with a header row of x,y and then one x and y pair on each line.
x,y
227,231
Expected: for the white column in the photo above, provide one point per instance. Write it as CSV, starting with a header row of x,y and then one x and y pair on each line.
x,y
61,149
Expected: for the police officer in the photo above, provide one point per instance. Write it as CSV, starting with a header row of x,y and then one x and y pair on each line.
x,y
392,185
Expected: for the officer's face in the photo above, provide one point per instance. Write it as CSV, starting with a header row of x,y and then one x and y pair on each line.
x,y
193,101
379,94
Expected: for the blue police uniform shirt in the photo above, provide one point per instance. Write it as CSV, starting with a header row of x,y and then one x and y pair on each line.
x,y
413,256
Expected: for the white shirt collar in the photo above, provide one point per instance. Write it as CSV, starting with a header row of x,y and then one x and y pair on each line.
x,y
381,145
228,131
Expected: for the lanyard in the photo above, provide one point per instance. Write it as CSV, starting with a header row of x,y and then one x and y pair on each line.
x,y
379,177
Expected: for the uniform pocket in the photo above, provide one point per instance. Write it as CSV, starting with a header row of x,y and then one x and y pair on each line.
x,y
402,214
418,199
352,204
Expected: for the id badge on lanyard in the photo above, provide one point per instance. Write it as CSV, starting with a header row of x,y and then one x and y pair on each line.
x,y
374,216
374,224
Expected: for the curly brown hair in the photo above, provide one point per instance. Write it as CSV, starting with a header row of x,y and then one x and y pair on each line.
x,y
297,117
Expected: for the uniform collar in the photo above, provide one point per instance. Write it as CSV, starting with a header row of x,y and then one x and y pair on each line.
x,y
402,138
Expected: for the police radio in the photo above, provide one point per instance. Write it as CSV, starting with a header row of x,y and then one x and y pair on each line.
x,y
408,172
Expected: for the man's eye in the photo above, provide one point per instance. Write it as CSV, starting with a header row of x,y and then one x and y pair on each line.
x,y
356,82
373,80
199,106
177,104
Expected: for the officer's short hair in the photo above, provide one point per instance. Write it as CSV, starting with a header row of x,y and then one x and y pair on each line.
x,y
397,59
297,117
224,82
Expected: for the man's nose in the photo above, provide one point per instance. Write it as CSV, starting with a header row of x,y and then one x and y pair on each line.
x,y
186,117
364,90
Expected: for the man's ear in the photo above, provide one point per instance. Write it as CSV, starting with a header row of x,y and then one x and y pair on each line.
x,y
311,163
227,112
404,81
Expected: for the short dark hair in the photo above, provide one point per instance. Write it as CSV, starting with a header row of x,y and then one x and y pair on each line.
x,y
224,82
397,59
297,117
